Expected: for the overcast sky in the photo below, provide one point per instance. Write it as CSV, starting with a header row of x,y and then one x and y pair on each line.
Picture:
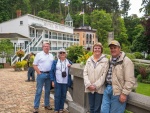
x,y
134,8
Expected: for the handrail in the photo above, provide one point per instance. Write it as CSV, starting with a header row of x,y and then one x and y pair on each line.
x,y
33,43
39,40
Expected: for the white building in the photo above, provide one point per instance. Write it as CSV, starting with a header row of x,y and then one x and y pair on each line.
x,y
28,32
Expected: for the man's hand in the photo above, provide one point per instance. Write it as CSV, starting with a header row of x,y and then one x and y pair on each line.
x,y
53,85
122,98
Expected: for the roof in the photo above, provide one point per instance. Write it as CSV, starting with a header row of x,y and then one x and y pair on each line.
x,y
68,18
11,35
30,15
85,28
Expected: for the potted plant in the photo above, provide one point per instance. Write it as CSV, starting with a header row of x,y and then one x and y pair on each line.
x,y
24,65
20,53
18,66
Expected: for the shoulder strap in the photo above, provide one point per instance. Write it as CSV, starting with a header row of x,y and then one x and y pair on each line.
x,y
70,61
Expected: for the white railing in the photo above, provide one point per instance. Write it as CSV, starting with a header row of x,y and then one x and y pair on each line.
x,y
39,40
34,43
33,46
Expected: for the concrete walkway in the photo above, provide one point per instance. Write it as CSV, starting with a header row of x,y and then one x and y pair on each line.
x,y
16,95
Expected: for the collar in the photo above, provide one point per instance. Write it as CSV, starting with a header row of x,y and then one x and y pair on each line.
x,y
45,53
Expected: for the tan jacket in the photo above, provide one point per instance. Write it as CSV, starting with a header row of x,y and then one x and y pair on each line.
x,y
123,78
95,76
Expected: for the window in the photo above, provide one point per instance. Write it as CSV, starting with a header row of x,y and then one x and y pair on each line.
x,y
87,39
83,42
21,22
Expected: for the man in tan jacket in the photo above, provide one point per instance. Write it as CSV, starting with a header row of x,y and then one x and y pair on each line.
x,y
119,80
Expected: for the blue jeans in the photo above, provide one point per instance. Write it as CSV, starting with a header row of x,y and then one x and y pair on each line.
x,y
95,101
111,103
60,95
42,79
31,72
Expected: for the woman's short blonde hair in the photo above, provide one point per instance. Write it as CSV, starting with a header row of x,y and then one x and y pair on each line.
x,y
98,44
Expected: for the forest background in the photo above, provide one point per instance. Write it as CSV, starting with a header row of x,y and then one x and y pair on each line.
x,y
104,15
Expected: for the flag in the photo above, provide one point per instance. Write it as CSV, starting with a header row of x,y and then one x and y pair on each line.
x,y
66,4
81,13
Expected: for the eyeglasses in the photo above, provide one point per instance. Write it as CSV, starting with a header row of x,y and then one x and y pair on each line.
x,y
61,52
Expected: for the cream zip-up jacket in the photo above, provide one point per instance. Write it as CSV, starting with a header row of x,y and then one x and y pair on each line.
x,y
123,78
95,75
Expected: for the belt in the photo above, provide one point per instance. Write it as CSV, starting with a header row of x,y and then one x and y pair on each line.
x,y
44,71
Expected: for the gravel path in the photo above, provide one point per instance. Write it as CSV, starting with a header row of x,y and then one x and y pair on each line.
x,y
16,95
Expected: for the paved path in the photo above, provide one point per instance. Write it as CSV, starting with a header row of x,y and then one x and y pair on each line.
x,y
16,95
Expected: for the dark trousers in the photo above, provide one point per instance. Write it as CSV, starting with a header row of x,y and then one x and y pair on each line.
x,y
31,72
95,101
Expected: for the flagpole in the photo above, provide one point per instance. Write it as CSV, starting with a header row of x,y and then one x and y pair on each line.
x,y
83,17
66,5
68,8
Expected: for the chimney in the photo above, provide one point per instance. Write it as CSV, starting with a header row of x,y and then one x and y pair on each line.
x,y
62,21
18,13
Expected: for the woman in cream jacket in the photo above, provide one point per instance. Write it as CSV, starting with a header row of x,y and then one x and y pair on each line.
x,y
94,77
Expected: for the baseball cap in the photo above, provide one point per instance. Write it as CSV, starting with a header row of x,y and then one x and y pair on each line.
x,y
114,42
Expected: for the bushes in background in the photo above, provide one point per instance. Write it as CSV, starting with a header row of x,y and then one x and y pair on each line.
x,y
138,55
148,57
142,72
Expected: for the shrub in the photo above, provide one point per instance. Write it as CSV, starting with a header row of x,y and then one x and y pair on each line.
x,y
108,56
148,57
74,52
83,58
1,66
138,55
136,68
18,64
139,78
131,56
106,51
148,78
125,48
142,71
136,72
24,63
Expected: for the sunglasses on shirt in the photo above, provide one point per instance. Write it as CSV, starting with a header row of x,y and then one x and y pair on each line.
x,y
61,52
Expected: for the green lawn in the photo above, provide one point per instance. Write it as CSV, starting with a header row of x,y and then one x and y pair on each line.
x,y
143,89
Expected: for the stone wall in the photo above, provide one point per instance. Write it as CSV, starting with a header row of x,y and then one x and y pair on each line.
x,y
137,103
